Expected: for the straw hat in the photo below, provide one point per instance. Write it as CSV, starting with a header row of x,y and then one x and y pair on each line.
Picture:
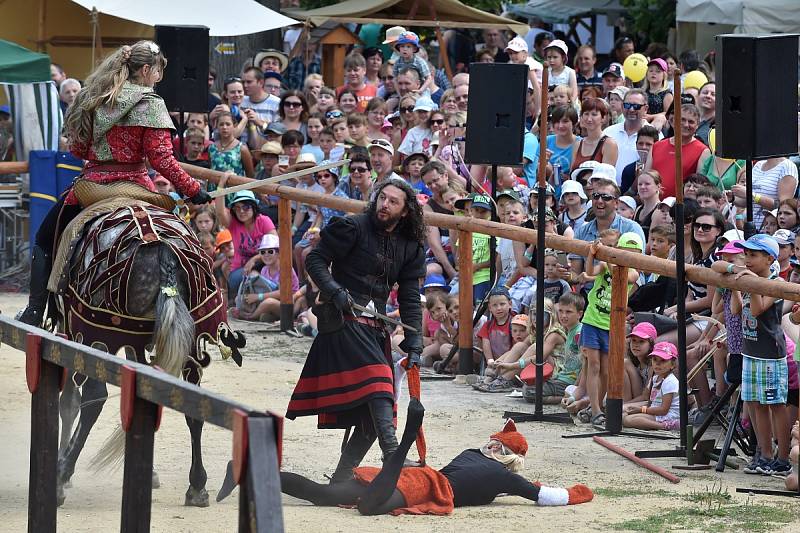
x,y
271,52
304,161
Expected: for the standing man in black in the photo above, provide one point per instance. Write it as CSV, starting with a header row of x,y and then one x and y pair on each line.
x,y
348,376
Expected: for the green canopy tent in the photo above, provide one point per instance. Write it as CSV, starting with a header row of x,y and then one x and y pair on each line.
x,y
32,97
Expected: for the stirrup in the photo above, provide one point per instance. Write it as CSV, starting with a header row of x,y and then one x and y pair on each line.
x,y
31,316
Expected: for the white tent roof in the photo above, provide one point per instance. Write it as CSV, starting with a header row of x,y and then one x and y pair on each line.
x,y
229,17
749,16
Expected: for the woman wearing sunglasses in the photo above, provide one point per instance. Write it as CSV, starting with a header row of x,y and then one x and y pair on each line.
x,y
294,111
269,303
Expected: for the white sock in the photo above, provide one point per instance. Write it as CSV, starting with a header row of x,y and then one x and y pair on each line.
x,y
551,496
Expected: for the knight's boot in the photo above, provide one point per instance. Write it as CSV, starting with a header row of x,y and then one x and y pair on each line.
x,y
383,420
37,301
353,453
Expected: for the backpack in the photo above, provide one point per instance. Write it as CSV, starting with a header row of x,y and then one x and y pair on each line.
x,y
253,284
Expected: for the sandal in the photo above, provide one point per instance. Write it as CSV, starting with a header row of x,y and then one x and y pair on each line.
x,y
585,415
599,421
499,385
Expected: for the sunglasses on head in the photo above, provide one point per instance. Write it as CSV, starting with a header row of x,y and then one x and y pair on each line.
x,y
233,79
631,105
407,109
703,227
603,196
268,251
334,114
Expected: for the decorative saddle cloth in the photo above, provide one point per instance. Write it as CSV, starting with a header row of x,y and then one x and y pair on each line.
x,y
93,268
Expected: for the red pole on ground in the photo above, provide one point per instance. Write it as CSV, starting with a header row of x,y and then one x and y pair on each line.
x,y
638,460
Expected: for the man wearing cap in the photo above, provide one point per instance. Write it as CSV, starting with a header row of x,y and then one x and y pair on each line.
x,y
613,76
605,195
260,107
634,108
347,379
381,153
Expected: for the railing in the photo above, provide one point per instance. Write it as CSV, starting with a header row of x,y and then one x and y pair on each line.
x,y
144,393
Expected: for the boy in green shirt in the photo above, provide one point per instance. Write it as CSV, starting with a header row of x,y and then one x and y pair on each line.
x,y
481,208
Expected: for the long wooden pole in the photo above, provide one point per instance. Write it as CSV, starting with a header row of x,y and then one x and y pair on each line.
x,y
638,460
465,302
286,249
646,263
616,353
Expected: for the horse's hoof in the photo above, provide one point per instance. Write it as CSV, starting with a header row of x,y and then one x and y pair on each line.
x,y
60,496
156,481
196,497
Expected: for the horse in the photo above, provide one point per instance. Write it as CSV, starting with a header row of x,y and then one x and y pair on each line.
x,y
132,276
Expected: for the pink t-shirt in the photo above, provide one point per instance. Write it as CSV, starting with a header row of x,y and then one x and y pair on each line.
x,y
245,244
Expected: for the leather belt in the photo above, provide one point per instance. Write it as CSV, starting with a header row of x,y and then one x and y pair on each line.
x,y
112,166
371,322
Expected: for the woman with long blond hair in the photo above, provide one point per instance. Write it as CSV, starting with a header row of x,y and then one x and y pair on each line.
x,y
116,121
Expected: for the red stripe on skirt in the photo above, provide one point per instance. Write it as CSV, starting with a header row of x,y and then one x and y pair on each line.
x,y
346,378
342,398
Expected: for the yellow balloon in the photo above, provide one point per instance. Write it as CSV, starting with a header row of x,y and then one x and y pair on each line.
x,y
695,79
635,67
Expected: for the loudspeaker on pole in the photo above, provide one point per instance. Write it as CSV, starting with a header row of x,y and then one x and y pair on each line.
x,y
184,85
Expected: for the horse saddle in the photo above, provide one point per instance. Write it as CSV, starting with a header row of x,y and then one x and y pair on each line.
x,y
90,192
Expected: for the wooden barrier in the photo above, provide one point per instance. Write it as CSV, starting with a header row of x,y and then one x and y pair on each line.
x,y
465,303
616,352
47,359
286,249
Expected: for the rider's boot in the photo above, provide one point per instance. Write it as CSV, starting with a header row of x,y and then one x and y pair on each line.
x,y
37,301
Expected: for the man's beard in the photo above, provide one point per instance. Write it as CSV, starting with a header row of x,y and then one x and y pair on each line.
x,y
383,225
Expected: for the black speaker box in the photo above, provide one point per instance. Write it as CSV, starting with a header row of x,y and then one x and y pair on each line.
x,y
184,86
756,116
496,113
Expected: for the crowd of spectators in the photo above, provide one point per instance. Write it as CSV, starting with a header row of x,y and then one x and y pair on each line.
x,y
611,182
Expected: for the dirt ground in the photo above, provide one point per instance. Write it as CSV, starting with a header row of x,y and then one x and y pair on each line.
x,y
627,497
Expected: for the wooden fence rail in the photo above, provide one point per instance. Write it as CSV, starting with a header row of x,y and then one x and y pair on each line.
x,y
257,435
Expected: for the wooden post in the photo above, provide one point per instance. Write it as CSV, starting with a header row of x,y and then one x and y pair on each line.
x,y
616,354
41,41
137,480
286,250
542,170
260,493
42,500
465,302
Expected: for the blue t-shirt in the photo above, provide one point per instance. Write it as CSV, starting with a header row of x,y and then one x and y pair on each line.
x,y
530,154
561,156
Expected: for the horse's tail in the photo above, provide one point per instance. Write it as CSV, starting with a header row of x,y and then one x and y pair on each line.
x,y
172,339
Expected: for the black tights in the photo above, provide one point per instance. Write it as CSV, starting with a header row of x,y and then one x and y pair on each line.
x,y
53,225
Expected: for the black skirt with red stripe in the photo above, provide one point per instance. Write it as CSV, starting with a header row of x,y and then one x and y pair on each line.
x,y
344,370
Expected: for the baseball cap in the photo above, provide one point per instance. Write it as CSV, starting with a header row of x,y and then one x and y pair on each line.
x,y
629,201
272,74
604,171
784,237
223,237
482,200
549,214
382,144
614,69
659,62
424,103
561,45
407,37
500,291
760,243
668,201
393,33
303,161
733,235
517,44
572,186
631,241
665,351
731,248
269,241
5,109
548,191
270,147
461,203
644,330
509,193
277,128
521,319
620,91
386,126
586,165
435,280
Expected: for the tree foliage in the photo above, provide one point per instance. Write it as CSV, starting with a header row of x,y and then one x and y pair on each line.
x,y
493,6
651,19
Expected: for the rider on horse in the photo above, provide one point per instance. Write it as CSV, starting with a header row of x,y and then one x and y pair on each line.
x,y
116,122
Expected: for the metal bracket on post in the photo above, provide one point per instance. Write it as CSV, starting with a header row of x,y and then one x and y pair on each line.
x,y
33,361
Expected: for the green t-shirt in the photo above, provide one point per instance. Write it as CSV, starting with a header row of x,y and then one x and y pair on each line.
x,y
598,308
568,361
480,254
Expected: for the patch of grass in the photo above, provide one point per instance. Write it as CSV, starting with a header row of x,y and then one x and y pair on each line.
x,y
720,517
712,497
614,492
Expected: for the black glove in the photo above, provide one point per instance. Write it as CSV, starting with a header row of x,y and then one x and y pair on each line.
x,y
341,299
200,198
414,360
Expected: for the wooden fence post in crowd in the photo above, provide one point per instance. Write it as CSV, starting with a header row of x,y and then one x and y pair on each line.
x,y
616,353
43,383
465,301
285,251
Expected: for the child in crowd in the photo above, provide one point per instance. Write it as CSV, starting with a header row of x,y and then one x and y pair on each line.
x,y
228,154
326,101
626,207
432,320
495,335
480,208
207,243
554,285
407,46
641,341
314,127
615,104
339,128
500,372
662,410
567,356
561,96
195,146
327,142
596,322
411,168
205,221
573,199
765,379
560,73
449,334
223,254
357,129
659,97
269,303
